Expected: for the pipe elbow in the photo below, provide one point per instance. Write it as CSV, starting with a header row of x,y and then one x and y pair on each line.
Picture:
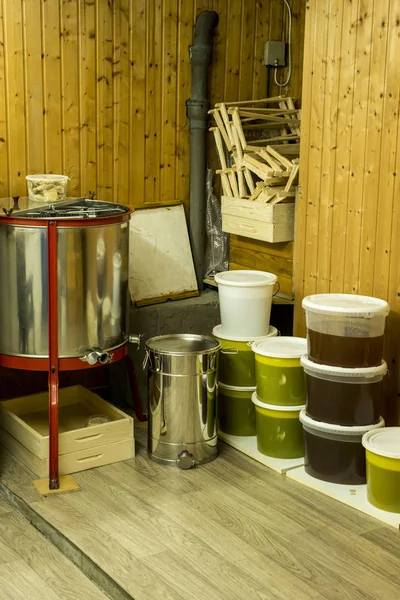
x,y
203,29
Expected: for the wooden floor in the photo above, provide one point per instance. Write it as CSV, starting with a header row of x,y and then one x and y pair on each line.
x,y
231,529
31,568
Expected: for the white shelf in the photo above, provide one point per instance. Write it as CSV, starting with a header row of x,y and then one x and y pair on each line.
x,y
248,445
354,496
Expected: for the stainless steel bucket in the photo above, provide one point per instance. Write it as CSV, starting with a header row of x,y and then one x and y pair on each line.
x,y
182,376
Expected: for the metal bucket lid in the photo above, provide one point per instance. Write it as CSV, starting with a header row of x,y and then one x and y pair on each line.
x,y
182,344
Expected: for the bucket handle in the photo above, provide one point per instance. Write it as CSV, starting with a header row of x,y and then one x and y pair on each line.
x,y
278,290
146,360
232,350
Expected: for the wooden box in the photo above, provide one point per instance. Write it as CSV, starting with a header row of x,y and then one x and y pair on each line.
x,y
24,431
267,222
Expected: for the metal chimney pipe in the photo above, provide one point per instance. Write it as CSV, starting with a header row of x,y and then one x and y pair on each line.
x,y
197,112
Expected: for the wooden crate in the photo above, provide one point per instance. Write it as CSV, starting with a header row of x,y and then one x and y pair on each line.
x,y
24,431
267,222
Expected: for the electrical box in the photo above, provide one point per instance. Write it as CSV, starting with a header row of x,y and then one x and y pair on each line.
x,y
274,54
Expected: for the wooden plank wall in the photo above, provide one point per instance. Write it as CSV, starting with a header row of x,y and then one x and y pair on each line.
x,y
348,215
97,89
252,254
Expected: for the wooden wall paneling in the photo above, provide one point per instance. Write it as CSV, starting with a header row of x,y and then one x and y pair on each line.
x,y
4,141
262,29
104,99
362,58
121,101
373,147
277,31
70,61
153,105
298,18
328,158
345,119
232,50
53,148
137,94
246,253
87,97
304,172
247,57
34,122
389,140
169,95
15,96
185,36
315,142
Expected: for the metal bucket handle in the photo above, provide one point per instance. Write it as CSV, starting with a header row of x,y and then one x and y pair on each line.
x,y
147,362
278,290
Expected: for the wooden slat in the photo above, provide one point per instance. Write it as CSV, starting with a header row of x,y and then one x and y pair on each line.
x,y
33,72
14,76
88,166
169,97
70,61
137,93
4,143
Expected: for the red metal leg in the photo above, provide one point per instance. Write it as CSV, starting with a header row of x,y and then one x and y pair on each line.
x,y
54,483
53,430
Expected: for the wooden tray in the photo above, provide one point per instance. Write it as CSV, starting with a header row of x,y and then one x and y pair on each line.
x,y
73,461
26,419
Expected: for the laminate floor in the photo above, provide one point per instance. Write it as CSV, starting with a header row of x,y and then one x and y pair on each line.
x,y
31,567
231,529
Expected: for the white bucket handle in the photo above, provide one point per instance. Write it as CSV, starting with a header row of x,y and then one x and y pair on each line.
x,y
232,350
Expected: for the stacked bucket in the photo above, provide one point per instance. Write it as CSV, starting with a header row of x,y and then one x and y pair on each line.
x,y
279,397
261,386
344,374
245,301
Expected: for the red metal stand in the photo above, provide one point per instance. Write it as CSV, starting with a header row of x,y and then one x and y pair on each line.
x,y
53,353
53,364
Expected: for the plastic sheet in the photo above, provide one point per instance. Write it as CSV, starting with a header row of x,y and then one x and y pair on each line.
x,y
217,251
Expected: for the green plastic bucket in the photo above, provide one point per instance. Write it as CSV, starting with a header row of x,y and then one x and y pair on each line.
x,y
236,412
279,431
279,375
236,359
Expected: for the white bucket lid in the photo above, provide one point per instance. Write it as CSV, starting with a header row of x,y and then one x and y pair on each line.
x,y
280,347
349,305
360,373
47,177
245,278
282,408
331,428
234,388
385,442
217,332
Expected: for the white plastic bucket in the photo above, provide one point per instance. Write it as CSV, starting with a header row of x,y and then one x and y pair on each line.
x,y
245,299
345,330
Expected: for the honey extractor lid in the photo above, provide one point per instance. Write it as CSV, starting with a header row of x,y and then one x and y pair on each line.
x,y
71,208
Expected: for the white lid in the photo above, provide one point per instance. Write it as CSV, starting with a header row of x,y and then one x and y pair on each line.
x,y
245,278
47,177
350,305
217,332
331,428
365,372
385,442
280,347
282,408
234,388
